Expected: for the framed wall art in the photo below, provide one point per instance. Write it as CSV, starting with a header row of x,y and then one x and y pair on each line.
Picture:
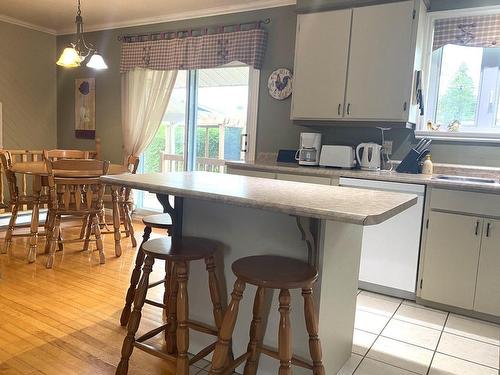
x,y
85,108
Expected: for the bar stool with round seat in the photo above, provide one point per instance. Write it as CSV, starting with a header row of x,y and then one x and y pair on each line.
x,y
178,251
269,272
158,221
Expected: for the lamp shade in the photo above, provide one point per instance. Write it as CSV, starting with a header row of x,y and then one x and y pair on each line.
x,y
97,62
69,58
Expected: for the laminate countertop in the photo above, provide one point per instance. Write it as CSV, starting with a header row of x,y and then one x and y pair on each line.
x,y
391,176
357,206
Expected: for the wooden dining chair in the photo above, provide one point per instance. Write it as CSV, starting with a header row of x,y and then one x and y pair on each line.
x,y
125,205
57,154
17,200
75,190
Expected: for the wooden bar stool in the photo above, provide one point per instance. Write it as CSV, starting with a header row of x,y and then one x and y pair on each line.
x,y
179,251
270,272
159,221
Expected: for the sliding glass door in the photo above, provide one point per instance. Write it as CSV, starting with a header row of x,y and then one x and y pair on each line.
x,y
210,119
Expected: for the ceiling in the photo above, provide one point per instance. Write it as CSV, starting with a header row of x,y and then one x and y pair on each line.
x,y
58,16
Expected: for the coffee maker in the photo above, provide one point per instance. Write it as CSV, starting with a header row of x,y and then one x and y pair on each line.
x,y
310,146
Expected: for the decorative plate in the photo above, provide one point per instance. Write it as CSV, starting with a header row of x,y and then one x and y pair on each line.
x,y
280,83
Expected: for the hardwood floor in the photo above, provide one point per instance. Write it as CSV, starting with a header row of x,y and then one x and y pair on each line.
x,y
66,320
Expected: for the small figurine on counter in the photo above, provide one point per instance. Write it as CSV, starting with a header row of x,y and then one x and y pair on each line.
x,y
432,127
454,126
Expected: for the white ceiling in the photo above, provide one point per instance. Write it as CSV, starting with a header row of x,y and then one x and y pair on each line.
x,y
58,16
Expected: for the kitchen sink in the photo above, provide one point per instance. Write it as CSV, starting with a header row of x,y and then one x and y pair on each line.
x,y
474,180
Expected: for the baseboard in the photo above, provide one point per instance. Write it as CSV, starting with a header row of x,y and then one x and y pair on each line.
x,y
386,290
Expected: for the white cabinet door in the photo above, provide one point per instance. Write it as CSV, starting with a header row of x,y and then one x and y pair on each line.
x,y
380,63
321,54
488,277
451,259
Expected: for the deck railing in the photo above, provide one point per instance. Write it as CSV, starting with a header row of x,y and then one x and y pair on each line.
x,y
175,163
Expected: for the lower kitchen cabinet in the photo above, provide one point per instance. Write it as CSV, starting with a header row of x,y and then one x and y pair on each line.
x,y
451,259
488,281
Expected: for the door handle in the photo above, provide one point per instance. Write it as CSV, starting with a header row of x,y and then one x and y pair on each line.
x,y
477,227
488,226
243,142
339,108
349,109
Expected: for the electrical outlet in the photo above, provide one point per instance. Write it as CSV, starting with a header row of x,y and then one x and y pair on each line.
x,y
388,147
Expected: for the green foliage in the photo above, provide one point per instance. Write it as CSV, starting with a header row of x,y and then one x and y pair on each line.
x,y
459,101
152,153
213,142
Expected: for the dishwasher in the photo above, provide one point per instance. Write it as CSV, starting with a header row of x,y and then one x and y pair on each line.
x,y
390,250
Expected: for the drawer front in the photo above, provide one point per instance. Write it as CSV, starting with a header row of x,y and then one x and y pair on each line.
x,y
309,179
246,172
466,202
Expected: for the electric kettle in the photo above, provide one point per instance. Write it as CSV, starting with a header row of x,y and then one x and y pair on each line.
x,y
370,161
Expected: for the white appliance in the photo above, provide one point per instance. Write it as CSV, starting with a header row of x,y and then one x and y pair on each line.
x,y
310,149
372,152
390,250
337,156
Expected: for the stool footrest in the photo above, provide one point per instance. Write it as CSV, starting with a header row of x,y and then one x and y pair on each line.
x,y
238,361
152,333
203,353
153,351
156,283
154,303
202,327
295,361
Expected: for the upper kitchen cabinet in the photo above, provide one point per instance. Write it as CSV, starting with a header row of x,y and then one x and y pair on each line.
x,y
375,80
320,73
380,62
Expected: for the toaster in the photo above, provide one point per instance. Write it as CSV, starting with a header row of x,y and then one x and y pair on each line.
x,y
337,156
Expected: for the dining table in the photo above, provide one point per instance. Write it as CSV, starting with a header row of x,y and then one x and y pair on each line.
x,y
38,170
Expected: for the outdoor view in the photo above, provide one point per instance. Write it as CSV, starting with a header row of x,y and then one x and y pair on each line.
x,y
221,115
468,91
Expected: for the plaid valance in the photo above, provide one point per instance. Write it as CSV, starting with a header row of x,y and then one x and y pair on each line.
x,y
196,52
473,31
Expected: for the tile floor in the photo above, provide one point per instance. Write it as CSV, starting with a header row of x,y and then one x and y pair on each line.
x,y
398,337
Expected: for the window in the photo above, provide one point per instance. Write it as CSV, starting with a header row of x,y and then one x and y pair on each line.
x,y
464,79
210,118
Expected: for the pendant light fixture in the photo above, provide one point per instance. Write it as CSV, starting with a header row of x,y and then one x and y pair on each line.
x,y
77,52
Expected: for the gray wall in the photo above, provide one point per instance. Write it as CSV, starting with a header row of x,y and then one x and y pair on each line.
x,y
275,130
27,88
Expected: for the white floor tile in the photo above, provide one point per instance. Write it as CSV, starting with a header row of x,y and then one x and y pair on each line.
x,y
402,355
470,350
362,341
412,334
377,303
369,322
473,329
420,315
371,367
446,365
350,365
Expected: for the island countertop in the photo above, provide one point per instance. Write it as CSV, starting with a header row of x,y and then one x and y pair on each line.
x,y
350,205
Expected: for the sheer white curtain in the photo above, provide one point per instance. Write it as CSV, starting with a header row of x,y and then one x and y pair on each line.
x,y
145,96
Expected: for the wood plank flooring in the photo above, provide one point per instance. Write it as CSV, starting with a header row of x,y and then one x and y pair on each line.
x,y
66,320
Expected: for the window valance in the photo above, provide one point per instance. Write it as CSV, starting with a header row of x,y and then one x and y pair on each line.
x,y
473,31
196,52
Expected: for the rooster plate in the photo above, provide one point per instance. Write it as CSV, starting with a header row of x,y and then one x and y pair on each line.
x,y
280,84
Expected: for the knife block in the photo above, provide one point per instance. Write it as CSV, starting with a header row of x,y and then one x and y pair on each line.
x,y
411,163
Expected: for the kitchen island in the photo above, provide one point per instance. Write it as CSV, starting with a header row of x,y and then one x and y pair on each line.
x,y
249,216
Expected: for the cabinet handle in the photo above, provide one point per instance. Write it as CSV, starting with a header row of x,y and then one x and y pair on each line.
x,y
349,108
405,106
338,110
477,227
488,226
